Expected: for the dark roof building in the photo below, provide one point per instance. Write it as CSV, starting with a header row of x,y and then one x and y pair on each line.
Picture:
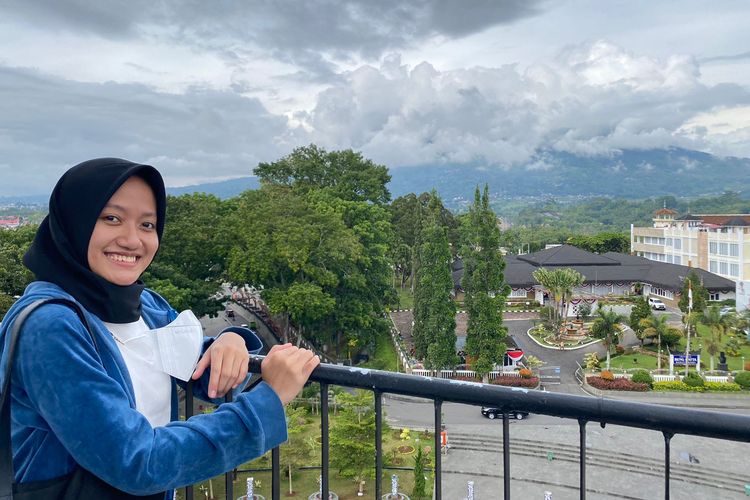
x,y
610,267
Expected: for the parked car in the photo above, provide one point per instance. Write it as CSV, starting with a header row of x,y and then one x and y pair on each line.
x,y
656,304
493,413
230,313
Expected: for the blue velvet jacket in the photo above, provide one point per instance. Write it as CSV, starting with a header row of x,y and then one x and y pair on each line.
x,y
71,405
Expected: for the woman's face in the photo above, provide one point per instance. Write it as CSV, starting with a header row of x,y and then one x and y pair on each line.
x,y
124,240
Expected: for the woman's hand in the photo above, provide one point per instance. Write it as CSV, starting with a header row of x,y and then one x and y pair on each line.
x,y
228,359
286,368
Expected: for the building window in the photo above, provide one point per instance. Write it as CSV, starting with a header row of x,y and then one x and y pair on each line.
x,y
734,270
712,247
713,296
713,266
723,249
521,292
723,267
670,259
662,293
734,250
678,260
678,243
669,242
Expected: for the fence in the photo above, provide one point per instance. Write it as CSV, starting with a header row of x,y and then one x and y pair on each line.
x,y
664,419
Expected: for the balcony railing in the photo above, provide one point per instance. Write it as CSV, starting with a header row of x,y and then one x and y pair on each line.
x,y
667,420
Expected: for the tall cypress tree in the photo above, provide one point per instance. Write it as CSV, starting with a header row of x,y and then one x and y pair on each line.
x,y
484,285
434,308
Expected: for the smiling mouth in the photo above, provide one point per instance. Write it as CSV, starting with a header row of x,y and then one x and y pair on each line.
x,y
120,258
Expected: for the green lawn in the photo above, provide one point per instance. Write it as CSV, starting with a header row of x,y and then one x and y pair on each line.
x,y
733,362
626,361
384,357
406,299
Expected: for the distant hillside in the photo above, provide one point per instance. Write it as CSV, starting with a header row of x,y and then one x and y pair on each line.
x,y
631,174
224,189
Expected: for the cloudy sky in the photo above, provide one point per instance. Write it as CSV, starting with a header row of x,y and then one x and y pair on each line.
x,y
206,90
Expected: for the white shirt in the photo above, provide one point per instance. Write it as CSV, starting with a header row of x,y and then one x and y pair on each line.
x,y
153,387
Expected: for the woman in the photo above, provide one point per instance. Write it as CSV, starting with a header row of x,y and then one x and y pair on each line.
x,y
105,401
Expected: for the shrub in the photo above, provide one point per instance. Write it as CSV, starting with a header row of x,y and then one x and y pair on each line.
x,y
525,373
722,387
642,377
591,361
621,384
675,385
743,379
693,380
607,375
515,381
619,349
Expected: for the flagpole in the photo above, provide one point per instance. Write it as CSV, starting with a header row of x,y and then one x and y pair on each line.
x,y
687,326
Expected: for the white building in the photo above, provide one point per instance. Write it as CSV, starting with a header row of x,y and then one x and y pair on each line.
x,y
718,243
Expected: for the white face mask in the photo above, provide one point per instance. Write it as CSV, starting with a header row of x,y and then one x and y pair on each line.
x,y
179,345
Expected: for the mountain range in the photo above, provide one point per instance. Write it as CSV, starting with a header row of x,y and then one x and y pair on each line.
x,y
633,174
630,174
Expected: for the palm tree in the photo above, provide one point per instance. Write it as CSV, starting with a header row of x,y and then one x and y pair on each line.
x,y
718,325
605,327
559,283
657,326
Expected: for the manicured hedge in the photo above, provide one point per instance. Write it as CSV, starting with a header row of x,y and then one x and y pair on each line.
x,y
620,384
516,381
676,385
743,379
642,377
722,387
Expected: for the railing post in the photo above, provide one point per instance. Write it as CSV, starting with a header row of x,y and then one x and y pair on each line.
x,y
667,439
437,494
324,439
275,474
188,414
506,456
582,458
378,442
231,475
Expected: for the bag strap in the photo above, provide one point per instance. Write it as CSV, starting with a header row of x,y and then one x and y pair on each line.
x,y
6,448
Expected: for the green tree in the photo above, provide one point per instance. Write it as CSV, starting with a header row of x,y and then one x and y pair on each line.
x,y
353,436
700,294
606,327
345,174
419,480
602,242
560,283
638,313
657,327
296,450
293,248
14,276
434,309
717,326
191,261
5,302
484,285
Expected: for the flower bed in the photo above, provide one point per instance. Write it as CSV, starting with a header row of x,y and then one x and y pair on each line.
x,y
676,385
620,384
515,381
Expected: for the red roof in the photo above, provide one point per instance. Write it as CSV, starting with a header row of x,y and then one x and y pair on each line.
x,y
665,211
723,219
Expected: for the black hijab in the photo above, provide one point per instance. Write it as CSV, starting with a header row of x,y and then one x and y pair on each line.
x,y
59,253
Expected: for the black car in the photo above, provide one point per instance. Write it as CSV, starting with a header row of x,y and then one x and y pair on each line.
x,y
493,413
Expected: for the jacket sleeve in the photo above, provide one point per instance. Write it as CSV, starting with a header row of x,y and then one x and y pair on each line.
x,y
254,346
62,373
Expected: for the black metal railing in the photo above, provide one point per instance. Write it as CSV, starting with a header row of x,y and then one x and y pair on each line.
x,y
665,419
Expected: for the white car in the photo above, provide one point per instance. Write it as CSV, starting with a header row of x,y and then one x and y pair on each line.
x,y
656,304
